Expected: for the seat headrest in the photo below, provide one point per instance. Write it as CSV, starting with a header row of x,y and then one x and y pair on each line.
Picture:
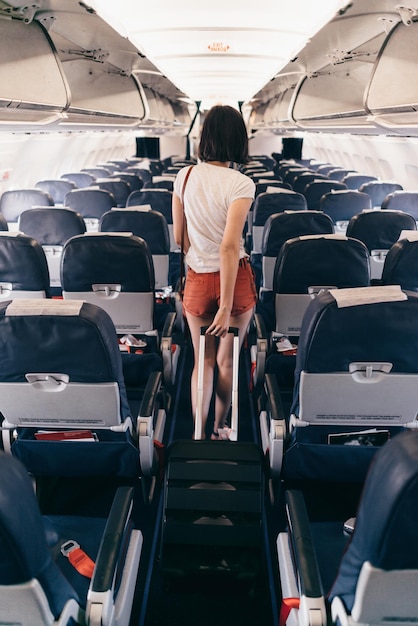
x,y
107,259
385,532
321,260
69,337
23,550
23,263
384,331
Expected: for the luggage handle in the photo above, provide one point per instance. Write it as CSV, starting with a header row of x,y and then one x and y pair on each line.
x,y
233,434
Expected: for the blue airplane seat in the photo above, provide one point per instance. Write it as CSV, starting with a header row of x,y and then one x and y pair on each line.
x,y
39,586
379,230
302,180
402,201
81,179
304,267
23,267
116,272
274,185
142,173
378,190
283,226
325,168
354,181
355,359
134,182
62,370
367,576
265,175
119,189
3,223
401,263
290,172
317,188
91,203
164,183
266,204
14,201
341,205
57,188
152,227
97,172
160,200
52,227
338,173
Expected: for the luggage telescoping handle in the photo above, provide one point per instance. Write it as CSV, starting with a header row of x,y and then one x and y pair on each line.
x,y
233,433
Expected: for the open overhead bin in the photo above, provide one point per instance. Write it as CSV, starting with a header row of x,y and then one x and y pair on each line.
x,y
33,90
392,94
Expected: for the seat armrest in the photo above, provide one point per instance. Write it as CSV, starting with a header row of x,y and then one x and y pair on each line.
x,y
149,397
111,591
261,349
113,536
303,546
274,398
273,425
169,325
299,573
150,423
168,354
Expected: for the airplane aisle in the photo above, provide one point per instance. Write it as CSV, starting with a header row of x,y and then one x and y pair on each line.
x,y
214,602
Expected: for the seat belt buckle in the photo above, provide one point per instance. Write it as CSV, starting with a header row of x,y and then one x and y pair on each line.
x,y
78,558
68,546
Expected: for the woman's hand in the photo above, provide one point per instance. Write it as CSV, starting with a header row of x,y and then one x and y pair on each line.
x,y
220,324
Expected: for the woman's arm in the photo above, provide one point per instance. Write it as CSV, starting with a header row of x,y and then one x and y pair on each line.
x,y
229,258
178,220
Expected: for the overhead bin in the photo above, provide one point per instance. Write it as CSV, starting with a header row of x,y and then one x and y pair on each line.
x,y
333,99
101,97
159,113
284,108
33,90
392,94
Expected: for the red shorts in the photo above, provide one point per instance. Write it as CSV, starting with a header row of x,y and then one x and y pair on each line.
x,y
202,291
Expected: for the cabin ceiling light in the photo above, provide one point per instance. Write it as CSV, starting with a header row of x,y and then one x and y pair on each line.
x,y
221,52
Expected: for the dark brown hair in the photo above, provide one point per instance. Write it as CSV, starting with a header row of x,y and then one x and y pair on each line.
x,y
224,136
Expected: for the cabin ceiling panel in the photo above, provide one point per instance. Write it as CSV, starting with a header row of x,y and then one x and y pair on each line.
x,y
183,41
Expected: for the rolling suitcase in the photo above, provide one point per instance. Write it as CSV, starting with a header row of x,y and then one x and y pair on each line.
x,y
213,500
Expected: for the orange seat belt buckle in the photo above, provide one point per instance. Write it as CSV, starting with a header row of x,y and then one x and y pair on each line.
x,y
78,558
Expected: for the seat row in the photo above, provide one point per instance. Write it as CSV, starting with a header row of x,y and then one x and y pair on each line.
x,y
339,393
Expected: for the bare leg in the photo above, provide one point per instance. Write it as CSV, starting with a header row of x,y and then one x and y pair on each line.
x,y
223,393
195,323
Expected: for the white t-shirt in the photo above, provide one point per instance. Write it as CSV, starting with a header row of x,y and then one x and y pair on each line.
x,y
209,192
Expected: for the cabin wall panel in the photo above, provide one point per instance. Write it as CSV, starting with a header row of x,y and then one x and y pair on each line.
x,y
389,158
173,145
32,157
